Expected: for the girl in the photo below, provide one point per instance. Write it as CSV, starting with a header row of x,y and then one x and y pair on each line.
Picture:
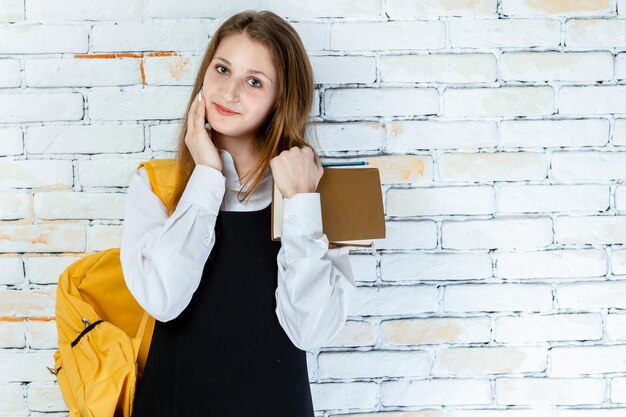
x,y
235,311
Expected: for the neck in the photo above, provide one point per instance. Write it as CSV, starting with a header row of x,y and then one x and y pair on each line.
x,y
244,150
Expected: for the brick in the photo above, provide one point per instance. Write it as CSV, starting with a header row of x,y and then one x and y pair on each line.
x,y
27,303
12,334
344,395
402,9
479,361
440,201
604,33
349,136
567,8
549,391
557,66
440,68
73,72
344,69
435,330
498,166
107,172
12,400
540,133
435,392
14,206
10,71
18,366
364,267
79,205
43,334
387,101
326,8
407,135
35,107
34,173
586,360
387,36
500,233
46,269
395,300
150,36
588,165
42,39
592,100
374,364
497,297
566,263
619,133
157,103
616,326
590,229
498,101
496,33
548,328
618,261
354,333
101,237
79,10
43,238
408,235
84,139
13,11
45,398
12,270
401,169
552,198
11,142
435,266
591,295
618,390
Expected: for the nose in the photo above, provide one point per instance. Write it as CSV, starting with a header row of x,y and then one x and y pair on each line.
x,y
231,90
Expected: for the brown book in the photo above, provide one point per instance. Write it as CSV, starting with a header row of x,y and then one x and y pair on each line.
x,y
352,206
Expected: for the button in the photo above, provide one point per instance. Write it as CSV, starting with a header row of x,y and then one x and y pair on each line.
x,y
218,194
288,215
207,241
289,260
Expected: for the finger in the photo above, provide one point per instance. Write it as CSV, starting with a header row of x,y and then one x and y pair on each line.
x,y
199,112
191,115
316,158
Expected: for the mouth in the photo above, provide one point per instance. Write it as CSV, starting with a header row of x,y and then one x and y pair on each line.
x,y
224,110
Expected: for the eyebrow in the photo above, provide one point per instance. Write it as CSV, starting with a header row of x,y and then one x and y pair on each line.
x,y
251,70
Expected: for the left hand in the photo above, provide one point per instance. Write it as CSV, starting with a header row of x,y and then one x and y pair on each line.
x,y
297,170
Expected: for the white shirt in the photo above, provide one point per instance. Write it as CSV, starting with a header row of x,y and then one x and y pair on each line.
x,y
163,257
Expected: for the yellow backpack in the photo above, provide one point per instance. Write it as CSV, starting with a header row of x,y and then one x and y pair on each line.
x,y
103,333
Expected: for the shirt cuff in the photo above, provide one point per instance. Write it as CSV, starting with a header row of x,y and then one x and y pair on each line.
x,y
205,188
302,215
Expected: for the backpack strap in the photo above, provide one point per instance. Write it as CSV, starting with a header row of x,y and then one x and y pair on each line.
x,y
162,174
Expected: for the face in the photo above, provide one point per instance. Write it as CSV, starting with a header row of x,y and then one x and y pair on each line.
x,y
240,77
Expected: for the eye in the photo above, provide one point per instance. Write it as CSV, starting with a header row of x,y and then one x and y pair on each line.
x,y
258,85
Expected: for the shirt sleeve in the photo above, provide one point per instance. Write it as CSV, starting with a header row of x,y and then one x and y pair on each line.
x,y
163,257
315,283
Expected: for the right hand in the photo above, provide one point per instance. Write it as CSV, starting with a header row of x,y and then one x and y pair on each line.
x,y
198,138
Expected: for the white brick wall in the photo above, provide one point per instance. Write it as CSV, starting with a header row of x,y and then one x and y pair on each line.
x,y
498,127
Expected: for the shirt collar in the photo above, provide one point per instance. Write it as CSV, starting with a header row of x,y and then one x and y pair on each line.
x,y
229,171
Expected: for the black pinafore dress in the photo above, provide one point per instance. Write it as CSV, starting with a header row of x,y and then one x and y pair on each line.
x,y
226,354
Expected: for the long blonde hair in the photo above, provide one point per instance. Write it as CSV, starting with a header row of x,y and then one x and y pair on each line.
x,y
286,126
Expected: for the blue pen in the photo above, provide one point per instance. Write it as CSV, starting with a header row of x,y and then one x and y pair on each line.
x,y
347,163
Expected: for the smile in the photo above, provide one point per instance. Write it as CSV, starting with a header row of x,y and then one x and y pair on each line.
x,y
223,111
